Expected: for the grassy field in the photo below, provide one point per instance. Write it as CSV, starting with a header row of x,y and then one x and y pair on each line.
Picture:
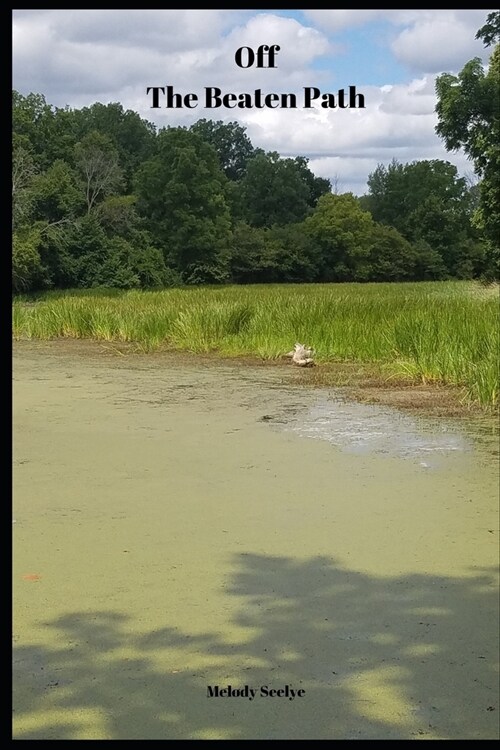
x,y
437,331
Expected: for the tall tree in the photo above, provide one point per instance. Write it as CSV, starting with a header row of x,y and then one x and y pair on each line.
x,y
426,201
274,191
181,193
490,32
56,194
318,186
233,146
23,172
97,161
392,258
32,124
132,137
343,233
468,110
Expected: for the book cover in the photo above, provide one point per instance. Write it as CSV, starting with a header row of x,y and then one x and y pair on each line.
x,y
249,327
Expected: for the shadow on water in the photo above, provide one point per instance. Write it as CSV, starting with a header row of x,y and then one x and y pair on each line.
x,y
378,657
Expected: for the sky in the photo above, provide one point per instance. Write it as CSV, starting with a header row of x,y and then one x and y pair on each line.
x,y
78,57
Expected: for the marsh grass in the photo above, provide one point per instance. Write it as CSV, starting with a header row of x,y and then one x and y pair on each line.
x,y
435,332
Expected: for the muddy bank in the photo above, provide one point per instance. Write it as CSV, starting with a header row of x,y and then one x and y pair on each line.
x,y
187,524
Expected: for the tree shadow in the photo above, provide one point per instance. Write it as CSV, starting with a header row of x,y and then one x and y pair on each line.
x,y
378,658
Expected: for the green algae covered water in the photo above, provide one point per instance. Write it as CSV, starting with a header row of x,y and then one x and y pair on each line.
x,y
203,551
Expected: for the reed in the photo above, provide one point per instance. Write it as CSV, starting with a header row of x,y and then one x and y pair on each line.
x,y
438,331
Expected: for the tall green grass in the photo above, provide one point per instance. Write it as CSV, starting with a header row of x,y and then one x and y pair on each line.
x,y
437,331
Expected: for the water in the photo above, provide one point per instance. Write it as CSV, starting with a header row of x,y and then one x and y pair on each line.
x,y
182,523
365,428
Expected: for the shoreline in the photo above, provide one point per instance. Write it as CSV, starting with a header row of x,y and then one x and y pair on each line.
x,y
360,381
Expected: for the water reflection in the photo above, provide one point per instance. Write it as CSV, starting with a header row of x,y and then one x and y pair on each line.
x,y
366,428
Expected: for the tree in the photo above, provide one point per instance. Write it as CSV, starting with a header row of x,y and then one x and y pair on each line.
x,y
391,258
26,263
318,186
274,191
32,120
181,194
278,254
429,265
468,110
131,265
85,247
97,161
428,201
56,195
233,146
343,232
490,32
248,249
290,254
132,137
23,172
59,259
118,215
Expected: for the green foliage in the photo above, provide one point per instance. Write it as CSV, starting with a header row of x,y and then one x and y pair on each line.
x,y
396,192
117,214
272,255
490,32
129,266
99,197
117,269
85,242
274,191
426,201
23,174
487,220
290,254
391,257
59,256
132,137
233,146
32,125
26,263
182,195
429,264
444,332
342,232
97,161
56,193
468,110
248,248
317,186
147,262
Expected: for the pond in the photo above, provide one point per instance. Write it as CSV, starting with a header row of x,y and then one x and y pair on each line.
x,y
190,533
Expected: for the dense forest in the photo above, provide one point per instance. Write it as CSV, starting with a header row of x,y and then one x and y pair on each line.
x,y
103,198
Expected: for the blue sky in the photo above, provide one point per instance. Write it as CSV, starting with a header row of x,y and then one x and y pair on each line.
x,y
77,57
364,54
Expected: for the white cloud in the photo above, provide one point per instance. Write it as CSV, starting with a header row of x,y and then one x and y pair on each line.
x,y
431,41
416,98
300,45
443,42
94,52
147,29
79,57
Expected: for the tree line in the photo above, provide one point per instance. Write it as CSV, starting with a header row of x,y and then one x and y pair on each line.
x,y
100,197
